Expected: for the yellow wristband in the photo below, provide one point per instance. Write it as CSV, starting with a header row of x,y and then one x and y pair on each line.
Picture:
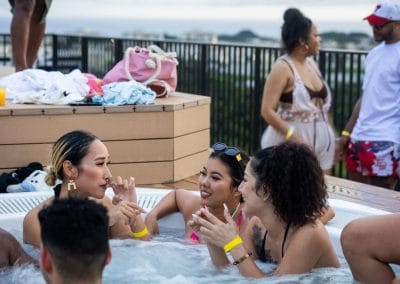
x,y
233,243
140,234
345,133
289,133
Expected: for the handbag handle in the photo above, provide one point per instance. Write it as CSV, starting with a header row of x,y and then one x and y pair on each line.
x,y
154,52
167,88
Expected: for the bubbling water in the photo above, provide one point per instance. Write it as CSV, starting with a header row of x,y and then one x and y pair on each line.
x,y
170,259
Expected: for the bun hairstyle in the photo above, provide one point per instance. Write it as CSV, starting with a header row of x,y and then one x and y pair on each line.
x,y
72,146
295,27
51,177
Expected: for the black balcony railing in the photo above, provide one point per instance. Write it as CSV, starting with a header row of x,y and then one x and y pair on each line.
x,y
232,75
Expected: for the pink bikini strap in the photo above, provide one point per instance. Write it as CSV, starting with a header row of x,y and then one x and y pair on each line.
x,y
240,219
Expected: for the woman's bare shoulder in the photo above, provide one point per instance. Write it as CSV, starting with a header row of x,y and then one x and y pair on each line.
x,y
281,69
35,210
314,232
191,195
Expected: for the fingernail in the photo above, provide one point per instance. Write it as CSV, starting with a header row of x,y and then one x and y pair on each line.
x,y
225,207
195,216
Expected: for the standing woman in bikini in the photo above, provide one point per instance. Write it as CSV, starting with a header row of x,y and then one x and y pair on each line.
x,y
80,161
296,98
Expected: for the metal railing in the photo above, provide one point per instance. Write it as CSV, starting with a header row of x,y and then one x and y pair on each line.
x,y
232,75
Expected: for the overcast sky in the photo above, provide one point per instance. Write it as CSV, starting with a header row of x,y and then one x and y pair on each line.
x,y
318,10
218,16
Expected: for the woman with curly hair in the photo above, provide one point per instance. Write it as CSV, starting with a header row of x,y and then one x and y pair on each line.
x,y
284,187
296,99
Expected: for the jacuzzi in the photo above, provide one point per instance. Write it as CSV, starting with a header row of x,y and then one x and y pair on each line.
x,y
14,206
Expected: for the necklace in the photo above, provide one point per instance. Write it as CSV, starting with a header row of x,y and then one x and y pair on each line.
x,y
236,210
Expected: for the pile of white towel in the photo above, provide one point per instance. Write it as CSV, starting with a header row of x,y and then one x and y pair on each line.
x,y
43,87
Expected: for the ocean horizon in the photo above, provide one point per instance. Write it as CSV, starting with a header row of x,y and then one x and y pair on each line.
x,y
119,27
218,17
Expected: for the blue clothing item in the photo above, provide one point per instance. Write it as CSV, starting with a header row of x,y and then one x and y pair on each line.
x,y
122,93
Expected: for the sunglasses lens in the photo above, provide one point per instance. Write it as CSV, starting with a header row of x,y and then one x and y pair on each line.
x,y
219,146
231,151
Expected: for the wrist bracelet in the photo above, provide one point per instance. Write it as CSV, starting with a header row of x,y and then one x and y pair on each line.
x,y
140,234
243,258
233,243
289,133
345,133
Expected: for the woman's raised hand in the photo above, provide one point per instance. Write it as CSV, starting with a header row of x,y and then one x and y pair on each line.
x,y
124,190
126,211
212,229
193,224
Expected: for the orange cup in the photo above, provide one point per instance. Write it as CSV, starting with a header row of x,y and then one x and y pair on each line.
x,y
2,95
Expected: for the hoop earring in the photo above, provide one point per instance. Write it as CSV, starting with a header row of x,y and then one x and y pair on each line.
x,y
71,185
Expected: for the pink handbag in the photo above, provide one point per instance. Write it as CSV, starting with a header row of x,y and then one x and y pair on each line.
x,y
151,66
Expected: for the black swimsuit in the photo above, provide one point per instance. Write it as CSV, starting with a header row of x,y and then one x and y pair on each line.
x,y
57,191
266,257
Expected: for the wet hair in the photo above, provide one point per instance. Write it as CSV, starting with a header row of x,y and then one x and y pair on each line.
x,y
291,174
295,27
236,168
72,146
75,232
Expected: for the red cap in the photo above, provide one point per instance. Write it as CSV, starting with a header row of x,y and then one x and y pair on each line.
x,y
375,20
384,12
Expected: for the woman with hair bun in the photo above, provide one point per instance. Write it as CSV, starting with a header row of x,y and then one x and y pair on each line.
x,y
296,98
80,161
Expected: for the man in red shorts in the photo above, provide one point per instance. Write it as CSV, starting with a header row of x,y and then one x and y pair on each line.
x,y
371,138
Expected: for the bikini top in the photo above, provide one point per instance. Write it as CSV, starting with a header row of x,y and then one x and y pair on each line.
x,y
322,94
57,191
261,253
195,237
301,97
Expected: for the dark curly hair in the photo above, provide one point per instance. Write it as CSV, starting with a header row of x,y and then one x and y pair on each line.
x,y
291,174
296,26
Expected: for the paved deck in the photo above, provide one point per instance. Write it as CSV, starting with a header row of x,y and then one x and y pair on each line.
x,y
339,188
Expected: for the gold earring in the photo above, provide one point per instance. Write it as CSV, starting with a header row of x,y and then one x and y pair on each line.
x,y
71,185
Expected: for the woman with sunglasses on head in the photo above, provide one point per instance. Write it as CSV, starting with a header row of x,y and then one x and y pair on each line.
x,y
218,184
80,161
284,187
296,98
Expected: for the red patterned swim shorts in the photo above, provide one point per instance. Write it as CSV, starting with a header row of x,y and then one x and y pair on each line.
x,y
373,158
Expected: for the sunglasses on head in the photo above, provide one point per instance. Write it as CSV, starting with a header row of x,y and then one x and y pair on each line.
x,y
230,151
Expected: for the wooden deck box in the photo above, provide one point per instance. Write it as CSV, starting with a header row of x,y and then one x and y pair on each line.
x,y
159,143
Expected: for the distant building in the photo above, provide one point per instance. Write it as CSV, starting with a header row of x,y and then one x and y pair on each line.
x,y
197,35
144,35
